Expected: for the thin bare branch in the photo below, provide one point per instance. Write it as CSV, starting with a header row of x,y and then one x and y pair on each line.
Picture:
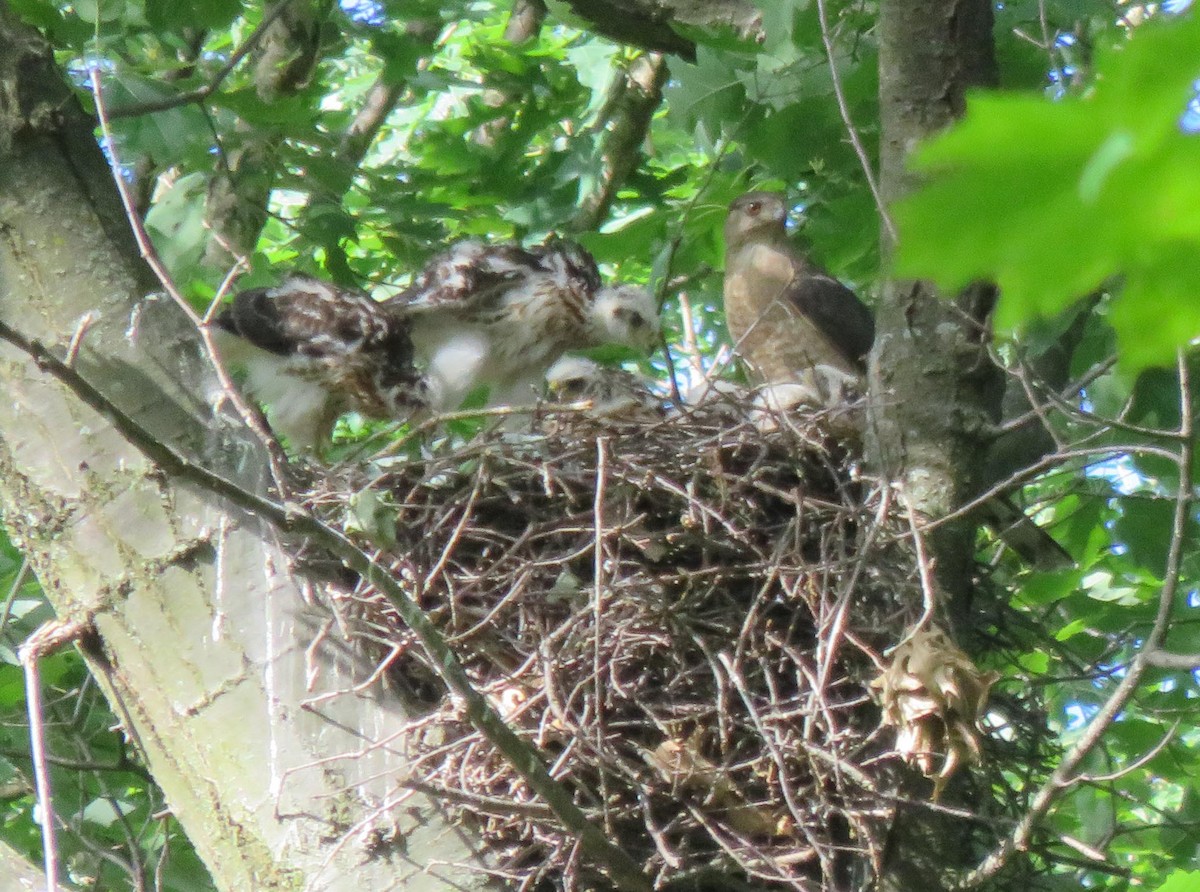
x,y
851,130
47,639
277,458
1065,775
1135,765
214,83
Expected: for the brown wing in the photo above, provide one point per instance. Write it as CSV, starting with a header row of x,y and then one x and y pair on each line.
x,y
786,317
305,316
835,311
465,274
471,277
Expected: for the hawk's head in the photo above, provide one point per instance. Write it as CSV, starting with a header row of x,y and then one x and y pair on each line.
x,y
611,394
754,216
625,314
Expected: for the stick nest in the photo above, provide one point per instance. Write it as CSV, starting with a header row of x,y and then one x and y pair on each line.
x,y
683,617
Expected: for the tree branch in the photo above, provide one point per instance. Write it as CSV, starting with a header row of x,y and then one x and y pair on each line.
x,y
524,22
844,109
1064,777
275,454
637,91
239,192
214,83
1163,659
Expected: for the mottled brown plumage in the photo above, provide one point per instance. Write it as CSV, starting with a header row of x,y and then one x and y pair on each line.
x,y
796,328
785,315
499,315
313,351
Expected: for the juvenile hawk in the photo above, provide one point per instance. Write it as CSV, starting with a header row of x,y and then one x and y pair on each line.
x,y
613,395
500,315
313,351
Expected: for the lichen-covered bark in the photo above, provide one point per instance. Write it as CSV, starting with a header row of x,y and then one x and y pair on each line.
x,y
935,390
20,874
202,629
633,99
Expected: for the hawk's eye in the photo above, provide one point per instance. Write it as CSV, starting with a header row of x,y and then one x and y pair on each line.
x,y
573,388
753,208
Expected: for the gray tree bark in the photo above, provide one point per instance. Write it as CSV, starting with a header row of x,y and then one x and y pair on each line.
x,y
206,636
937,393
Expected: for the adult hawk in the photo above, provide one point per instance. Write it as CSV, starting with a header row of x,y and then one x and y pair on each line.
x,y
500,315
313,351
786,315
798,329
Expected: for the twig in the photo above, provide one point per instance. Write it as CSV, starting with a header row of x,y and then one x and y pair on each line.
x,y
855,140
86,322
1044,464
598,534
1064,775
14,589
452,542
441,418
289,518
203,92
1135,765
830,642
276,457
240,264
924,572
47,639
689,338
1074,389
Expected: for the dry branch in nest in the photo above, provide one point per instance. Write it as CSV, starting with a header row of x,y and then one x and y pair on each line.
x,y
683,617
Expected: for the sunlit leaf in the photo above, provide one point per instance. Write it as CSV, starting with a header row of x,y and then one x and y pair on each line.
x,y
1051,199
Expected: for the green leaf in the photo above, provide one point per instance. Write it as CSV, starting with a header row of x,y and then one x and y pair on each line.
x,y
171,14
1050,199
708,92
1145,528
1181,881
36,12
246,103
99,10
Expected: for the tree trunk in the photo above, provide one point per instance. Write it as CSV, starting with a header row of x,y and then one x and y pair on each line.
x,y
936,391
207,639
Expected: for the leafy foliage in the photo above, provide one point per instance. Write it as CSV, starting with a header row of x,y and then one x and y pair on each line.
x,y
1086,180
1056,196
1054,199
